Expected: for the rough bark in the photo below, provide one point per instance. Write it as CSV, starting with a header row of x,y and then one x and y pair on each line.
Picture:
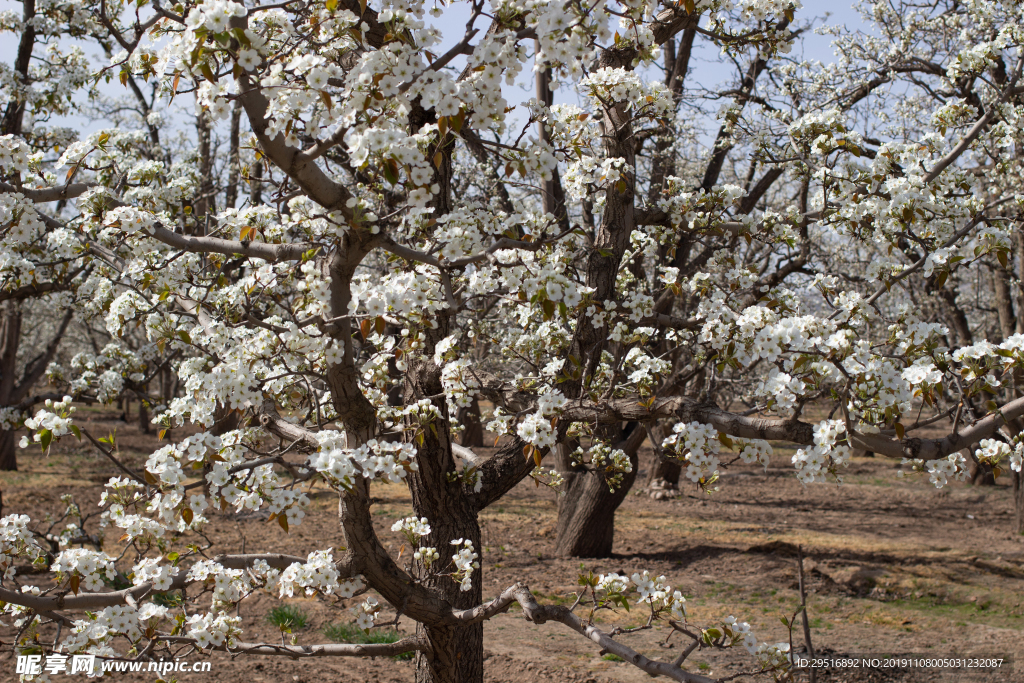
x,y
473,432
10,338
456,651
663,479
586,513
8,452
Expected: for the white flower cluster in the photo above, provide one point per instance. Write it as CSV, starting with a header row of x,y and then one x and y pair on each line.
x,y
427,555
229,585
612,464
412,528
372,460
214,15
698,445
537,429
812,464
992,452
651,590
91,566
952,466
130,219
754,450
366,612
318,574
465,560
459,384
150,570
14,154
94,633
52,422
922,372
612,85
16,540
210,630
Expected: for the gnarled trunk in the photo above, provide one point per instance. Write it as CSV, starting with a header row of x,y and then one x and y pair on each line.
x,y
457,652
586,513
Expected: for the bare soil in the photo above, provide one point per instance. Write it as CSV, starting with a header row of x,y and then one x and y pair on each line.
x,y
892,566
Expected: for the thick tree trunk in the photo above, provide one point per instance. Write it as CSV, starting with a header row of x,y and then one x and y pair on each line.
x,y
457,652
586,513
14,115
8,452
473,434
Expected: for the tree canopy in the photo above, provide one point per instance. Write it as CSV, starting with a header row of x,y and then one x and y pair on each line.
x,y
342,226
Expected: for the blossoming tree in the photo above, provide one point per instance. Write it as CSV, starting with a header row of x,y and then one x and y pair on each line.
x,y
415,240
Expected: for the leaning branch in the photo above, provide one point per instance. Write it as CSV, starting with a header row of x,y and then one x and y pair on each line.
x,y
686,409
538,614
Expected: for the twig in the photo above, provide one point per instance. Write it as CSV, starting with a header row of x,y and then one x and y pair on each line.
x,y
812,673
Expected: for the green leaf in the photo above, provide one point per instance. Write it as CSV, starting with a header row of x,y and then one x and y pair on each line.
x,y
549,309
76,431
184,336
45,437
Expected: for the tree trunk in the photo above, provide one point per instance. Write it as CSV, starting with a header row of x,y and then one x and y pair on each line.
x,y
10,339
231,191
14,115
663,480
473,434
1018,501
144,426
457,652
586,513
8,452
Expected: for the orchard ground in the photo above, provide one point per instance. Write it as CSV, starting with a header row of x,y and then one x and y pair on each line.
x,y
891,566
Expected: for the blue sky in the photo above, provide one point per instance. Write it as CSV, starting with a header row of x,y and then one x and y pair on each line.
x,y
706,70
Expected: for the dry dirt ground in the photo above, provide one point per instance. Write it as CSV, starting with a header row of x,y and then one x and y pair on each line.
x,y
892,566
